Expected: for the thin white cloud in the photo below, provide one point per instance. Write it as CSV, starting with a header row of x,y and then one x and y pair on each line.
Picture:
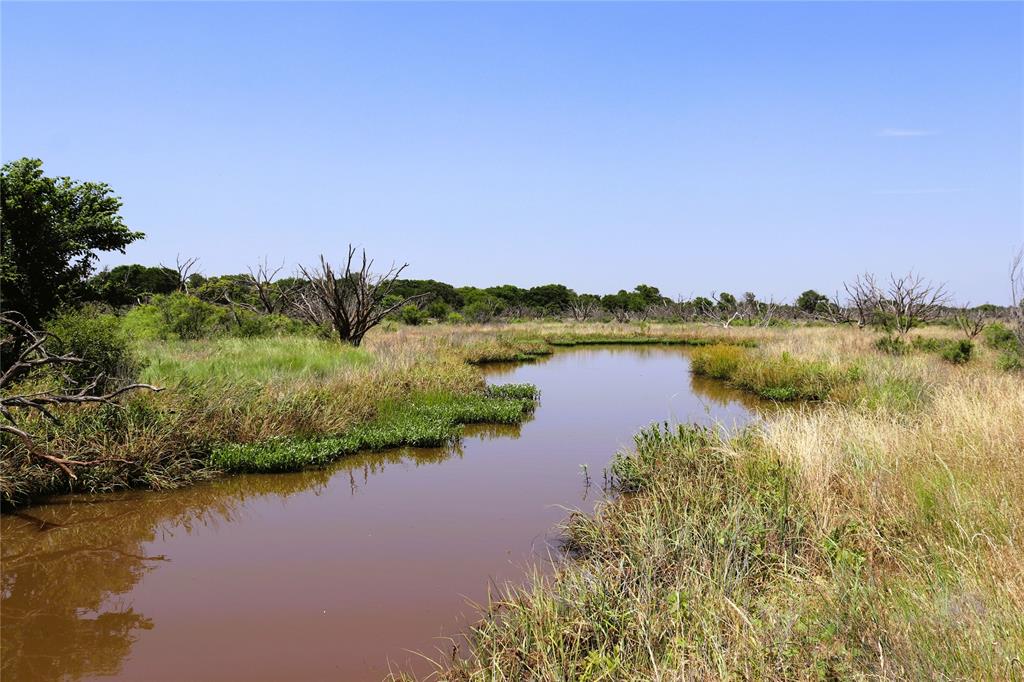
x,y
905,132
927,190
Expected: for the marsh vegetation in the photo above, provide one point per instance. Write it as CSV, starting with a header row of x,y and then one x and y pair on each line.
x,y
871,529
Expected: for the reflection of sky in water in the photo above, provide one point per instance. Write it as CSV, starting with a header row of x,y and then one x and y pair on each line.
x,y
329,573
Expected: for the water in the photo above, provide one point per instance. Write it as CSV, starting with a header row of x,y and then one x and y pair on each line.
x,y
336,573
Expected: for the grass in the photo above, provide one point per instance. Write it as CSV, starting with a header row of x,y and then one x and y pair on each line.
x,y
232,360
423,421
774,377
874,535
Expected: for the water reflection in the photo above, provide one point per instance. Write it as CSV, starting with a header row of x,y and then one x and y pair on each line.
x,y
334,572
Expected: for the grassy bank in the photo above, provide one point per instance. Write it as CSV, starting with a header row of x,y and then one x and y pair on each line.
x,y
264,404
875,535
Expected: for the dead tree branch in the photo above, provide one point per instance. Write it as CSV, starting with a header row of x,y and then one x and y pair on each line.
x,y
353,300
31,355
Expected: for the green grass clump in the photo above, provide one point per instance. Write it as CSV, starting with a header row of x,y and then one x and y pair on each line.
x,y
780,377
425,421
717,362
241,360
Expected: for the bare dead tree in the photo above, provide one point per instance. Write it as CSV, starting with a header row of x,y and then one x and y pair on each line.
x,y
832,310
1017,295
32,355
910,300
273,298
720,311
863,296
185,267
971,321
353,300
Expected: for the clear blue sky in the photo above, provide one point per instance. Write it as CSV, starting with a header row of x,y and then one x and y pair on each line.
x,y
767,147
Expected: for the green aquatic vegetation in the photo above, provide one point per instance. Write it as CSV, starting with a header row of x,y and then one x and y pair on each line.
x,y
424,421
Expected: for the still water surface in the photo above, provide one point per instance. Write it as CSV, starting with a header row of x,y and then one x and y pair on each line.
x,y
337,573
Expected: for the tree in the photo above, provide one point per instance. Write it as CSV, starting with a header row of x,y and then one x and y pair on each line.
x,y
862,295
583,306
131,284
354,302
1017,295
52,229
548,298
721,309
187,272
971,321
810,301
909,301
273,294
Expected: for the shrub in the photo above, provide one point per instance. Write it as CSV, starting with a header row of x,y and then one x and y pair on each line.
x,y
957,352
1010,361
411,314
98,339
892,345
928,345
187,317
1000,337
438,310
454,318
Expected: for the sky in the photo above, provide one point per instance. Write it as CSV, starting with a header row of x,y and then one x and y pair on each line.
x,y
766,147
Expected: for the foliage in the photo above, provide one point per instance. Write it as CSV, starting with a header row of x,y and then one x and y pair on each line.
x,y
412,314
131,284
1000,337
957,352
438,310
810,300
52,227
892,345
98,339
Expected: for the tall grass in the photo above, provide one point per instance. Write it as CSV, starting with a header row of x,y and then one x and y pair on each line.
x,y
775,377
260,360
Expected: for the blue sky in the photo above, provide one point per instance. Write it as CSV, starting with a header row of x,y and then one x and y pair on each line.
x,y
768,147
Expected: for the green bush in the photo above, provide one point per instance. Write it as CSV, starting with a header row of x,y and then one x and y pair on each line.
x,y
99,339
187,317
892,345
454,318
957,352
1010,361
411,314
438,310
180,316
1000,337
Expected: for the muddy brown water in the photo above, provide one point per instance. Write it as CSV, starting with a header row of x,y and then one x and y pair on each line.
x,y
338,573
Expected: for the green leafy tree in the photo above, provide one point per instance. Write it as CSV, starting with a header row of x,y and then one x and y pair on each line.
x,y
130,284
810,300
52,229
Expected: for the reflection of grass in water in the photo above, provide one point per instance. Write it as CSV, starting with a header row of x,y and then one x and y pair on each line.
x,y
426,421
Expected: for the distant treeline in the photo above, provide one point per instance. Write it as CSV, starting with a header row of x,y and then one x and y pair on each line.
x,y
260,290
